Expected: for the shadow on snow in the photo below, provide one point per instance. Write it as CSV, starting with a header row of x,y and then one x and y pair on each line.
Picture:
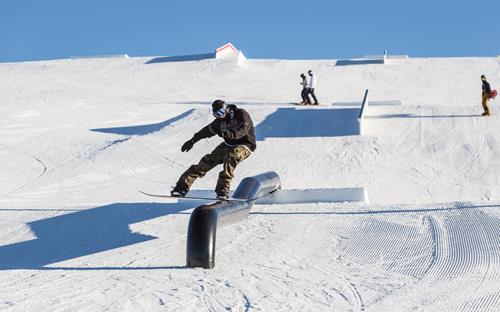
x,y
181,58
283,123
359,62
396,210
241,103
144,129
296,122
83,233
396,116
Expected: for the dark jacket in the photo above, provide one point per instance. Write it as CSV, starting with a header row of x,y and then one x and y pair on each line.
x,y
486,88
236,129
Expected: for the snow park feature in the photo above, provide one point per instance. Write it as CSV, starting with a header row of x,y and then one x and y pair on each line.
x,y
263,188
79,139
205,219
225,52
229,51
361,115
373,59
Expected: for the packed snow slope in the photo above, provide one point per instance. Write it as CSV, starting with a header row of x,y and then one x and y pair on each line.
x,y
79,139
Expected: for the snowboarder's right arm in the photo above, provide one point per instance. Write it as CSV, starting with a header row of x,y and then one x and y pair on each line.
x,y
207,132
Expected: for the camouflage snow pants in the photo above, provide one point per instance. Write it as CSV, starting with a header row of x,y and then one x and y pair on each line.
x,y
228,156
486,108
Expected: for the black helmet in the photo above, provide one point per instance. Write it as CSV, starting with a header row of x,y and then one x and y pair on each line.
x,y
219,108
483,77
218,104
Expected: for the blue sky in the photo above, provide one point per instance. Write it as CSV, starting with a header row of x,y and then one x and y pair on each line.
x,y
52,29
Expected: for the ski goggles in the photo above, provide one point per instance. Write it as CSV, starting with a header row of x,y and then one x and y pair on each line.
x,y
221,112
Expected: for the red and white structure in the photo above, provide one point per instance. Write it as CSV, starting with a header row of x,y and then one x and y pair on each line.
x,y
229,51
226,50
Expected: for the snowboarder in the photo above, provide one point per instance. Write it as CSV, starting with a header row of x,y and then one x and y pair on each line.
x,y
305,93
486,96
235,126
311,86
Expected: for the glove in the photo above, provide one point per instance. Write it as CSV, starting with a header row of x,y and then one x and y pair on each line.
x,y
187,145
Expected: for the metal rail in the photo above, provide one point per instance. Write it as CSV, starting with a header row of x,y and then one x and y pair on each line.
x,y
363,106
206,219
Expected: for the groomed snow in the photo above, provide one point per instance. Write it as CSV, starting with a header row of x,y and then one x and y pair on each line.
x,y
79,138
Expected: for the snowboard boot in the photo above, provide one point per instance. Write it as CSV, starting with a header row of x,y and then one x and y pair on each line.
x,y
179,191
222,196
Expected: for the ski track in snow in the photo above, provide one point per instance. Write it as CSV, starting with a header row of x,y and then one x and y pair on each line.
x,y
302,262
465,247
462,261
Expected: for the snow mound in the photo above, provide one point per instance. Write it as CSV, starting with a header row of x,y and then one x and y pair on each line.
x,y
80,137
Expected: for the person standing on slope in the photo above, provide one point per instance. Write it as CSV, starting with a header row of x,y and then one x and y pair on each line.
x,y
486,96
311,86
305,93
235,126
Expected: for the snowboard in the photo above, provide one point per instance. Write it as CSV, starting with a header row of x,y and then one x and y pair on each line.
x,y
198,197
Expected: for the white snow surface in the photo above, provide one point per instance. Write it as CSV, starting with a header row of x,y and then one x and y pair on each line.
x,y
79,139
